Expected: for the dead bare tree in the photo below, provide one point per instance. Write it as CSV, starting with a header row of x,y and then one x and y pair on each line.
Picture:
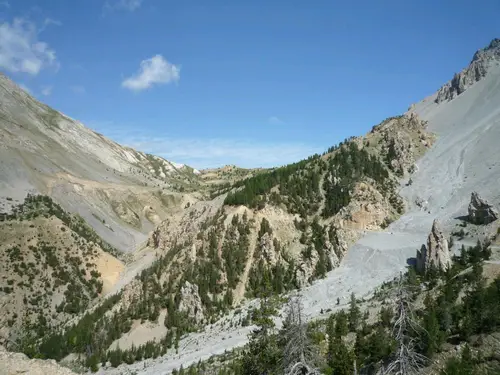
x,y
300,354
406,360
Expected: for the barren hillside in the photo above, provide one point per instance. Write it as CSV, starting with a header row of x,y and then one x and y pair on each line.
x,y
111,186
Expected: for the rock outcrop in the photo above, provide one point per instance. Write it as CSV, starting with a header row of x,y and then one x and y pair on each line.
x,y
480,211
18,363
476,70
436,254
190,302
267,249
403,139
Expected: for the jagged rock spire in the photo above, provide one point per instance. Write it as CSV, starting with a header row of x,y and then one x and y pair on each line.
x,y
436,254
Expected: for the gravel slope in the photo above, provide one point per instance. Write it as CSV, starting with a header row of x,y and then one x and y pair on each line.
x,y
465,157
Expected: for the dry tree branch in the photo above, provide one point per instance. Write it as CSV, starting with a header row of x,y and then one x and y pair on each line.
x,y
406,360
300,355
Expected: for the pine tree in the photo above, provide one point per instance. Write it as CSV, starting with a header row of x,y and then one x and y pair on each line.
x,y
354,314
432,336
341,324
405,359
262,354
386,315
340,359
300,354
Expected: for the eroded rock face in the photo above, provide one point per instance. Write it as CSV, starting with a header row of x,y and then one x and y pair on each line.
x,y
267,249
436,254
305,271
190,302
480,211
402,136
476,70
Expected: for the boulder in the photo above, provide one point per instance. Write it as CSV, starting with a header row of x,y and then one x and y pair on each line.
x,y
436,254
480,211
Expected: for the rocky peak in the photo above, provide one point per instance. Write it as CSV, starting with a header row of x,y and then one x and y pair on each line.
x,y
436,254
480,211
477,69
489,53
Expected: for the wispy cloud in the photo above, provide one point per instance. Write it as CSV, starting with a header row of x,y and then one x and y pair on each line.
x,y
155,70
127,5
46,90
21,51
47,22
4,4
273,120
216,152
77,89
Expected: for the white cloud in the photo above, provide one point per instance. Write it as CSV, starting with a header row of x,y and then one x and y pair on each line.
x,y
21,51
209,153
49,21
273,120
46,90
128,5
78,89
155,70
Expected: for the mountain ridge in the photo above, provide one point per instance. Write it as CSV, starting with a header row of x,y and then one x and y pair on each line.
x,y
481,63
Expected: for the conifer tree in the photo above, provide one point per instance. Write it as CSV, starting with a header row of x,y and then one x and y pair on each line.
x,y
341,324
340,358
354,314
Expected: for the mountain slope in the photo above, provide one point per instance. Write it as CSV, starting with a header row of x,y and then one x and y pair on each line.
x,y
111,186
465,157
284,228
295,225
53,267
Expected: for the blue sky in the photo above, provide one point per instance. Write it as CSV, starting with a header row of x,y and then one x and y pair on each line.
x,y
252,83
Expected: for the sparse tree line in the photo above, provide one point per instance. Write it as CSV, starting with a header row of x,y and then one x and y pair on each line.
x,y
299,184
253,189
42,205
49,267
